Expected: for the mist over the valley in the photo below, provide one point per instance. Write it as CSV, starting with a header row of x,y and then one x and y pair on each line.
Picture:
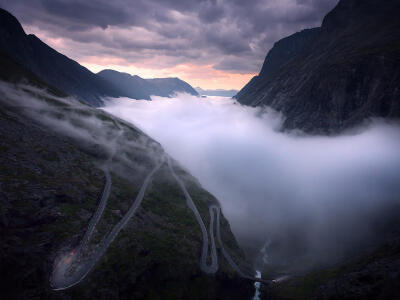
x,y
313,199
305,200
94,130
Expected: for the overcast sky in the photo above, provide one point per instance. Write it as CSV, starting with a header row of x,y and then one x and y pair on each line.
x,y
209,43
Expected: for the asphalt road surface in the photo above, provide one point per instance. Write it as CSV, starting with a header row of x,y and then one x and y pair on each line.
x,y
72,268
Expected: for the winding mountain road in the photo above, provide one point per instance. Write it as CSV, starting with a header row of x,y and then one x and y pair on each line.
x,y
73,268
231,262
213,209
204,253
104,197
97,215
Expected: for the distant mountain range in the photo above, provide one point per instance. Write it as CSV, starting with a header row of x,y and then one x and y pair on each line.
x,y
70,77
327,79
50,65
218,92
139,88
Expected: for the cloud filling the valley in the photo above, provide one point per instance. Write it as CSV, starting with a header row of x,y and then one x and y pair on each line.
x,y
317,196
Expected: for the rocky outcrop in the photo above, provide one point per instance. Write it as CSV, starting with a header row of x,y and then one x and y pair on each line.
x,y
331,78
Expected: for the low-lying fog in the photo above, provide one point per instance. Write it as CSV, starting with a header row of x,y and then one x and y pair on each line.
x,y
314,198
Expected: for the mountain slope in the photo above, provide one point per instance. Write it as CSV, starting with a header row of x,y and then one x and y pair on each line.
x,y
138,88
13,72
282,53
49,65
130,86
349,71
53,155
371,276
169,86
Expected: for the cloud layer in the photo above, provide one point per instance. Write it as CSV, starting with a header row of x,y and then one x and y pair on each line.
x,y
229,35
316,196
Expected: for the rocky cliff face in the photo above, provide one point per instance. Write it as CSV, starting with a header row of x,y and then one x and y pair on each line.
x,y
336,76
282,53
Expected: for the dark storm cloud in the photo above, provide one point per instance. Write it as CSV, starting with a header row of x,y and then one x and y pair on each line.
x,y
91,13
210,11
217,32
232,63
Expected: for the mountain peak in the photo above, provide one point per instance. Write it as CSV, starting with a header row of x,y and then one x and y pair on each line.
x,y
10,24
357,13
